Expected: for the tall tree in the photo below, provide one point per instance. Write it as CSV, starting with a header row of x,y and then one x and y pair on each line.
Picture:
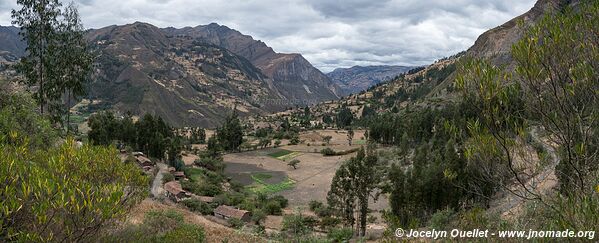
x,y
73,60
38,20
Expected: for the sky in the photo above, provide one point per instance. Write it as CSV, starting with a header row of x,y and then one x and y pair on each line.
x,y
330,34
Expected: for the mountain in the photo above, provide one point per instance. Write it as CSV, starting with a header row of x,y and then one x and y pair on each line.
x,y
293,75
432,86
359,78
190,76
187,82
11,44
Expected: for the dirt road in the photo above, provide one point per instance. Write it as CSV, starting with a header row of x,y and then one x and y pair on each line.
x,y
157,189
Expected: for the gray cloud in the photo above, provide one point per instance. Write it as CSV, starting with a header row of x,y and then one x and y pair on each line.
x,y
329,33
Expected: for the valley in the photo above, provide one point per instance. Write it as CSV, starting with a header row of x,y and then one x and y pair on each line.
x,y
141,133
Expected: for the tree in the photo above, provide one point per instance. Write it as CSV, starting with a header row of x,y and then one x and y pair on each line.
x,y
293,163
230,134
38,21
277,143
327,139
350,135
73,59
344,117
353,184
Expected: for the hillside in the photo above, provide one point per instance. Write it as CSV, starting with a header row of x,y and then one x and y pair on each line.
x,y
142,70
11,45
293,75
190,76
359,78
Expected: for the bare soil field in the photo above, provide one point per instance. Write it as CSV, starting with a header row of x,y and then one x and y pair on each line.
x,y
314,173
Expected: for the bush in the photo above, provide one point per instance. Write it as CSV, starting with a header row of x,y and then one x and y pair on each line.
x,y
281,200
329,222
340,234
235,223
198,206
203,189
167,177
315,205
441,219
184,233
35,187
328,152
158,226
273,208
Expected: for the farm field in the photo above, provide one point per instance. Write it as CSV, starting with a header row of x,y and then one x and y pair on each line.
x,y
312,178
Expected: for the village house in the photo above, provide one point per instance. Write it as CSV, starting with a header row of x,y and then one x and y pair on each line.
x,y
175,192
179,175
143,161
227,212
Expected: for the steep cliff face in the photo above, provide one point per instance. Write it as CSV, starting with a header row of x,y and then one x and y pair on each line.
x,y
288,71
496,44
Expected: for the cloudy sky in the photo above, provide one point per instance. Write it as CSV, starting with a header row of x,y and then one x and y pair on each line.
x,y
330,34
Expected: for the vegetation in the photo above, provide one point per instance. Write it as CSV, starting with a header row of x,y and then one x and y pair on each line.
x,y
99,189
293,163
57,60
159,226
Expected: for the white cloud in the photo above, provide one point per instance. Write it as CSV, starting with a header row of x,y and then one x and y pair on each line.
x,y
329,33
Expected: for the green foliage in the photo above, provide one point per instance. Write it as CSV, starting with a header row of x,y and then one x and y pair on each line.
x,y
99,189
18,117
297,224
57,58
159,226
293,163
235,223
441,219
198,206
344,117
340,234
150,134
267,188
273,208
230,134
353,184
166,177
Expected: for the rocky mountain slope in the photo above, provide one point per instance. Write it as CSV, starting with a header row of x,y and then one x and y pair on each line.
x,y
191,76
433,85
11,45
293,75
359,78
187,82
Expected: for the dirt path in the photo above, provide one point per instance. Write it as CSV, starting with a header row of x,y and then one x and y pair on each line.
x,y
541,183
157,189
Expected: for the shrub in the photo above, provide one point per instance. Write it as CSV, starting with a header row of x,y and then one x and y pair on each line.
x,y
235,223
340,234
184,233
329,222
328,152
314,205
273,208
167,177
441,219
91,196
198,206
281,200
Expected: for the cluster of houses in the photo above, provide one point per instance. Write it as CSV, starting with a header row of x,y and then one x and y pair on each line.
x,y
175,192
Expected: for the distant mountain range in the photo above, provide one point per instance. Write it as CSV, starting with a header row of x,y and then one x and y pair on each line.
x,y
359,78
192,76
